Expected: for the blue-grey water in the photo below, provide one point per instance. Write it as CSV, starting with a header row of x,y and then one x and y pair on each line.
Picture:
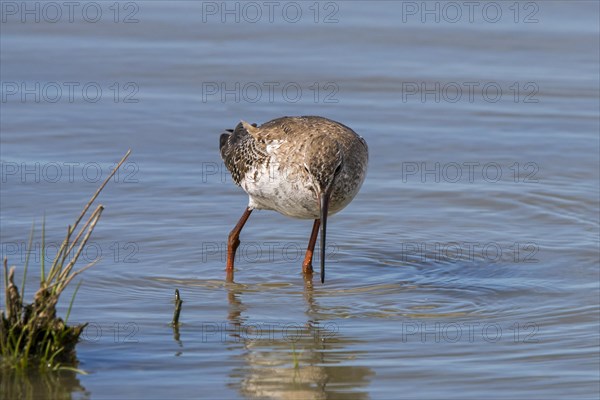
x,y
467,266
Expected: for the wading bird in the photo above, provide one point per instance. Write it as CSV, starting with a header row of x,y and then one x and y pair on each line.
x,y
303,167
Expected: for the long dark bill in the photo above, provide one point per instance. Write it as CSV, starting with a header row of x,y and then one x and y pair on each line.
x,y
324,211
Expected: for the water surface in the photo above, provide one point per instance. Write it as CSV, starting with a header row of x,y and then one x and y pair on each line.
x,y
467,266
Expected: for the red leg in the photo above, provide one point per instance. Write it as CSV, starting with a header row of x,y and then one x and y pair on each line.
x,y
307,264
234,241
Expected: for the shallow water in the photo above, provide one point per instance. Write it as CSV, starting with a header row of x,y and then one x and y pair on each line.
x,y
466,267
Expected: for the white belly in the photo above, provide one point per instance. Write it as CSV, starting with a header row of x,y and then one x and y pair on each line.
x,y
284,190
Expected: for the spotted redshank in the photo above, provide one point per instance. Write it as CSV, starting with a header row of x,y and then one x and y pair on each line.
x,y
303,167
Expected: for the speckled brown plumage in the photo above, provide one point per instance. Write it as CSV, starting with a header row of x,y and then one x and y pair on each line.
x,y
290,146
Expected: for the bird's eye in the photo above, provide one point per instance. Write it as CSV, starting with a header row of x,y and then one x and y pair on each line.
x,y
338,170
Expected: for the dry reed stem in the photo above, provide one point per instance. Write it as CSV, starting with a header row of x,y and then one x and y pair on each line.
x,y
88,205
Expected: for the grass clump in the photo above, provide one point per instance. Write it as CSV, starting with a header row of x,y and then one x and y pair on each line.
x,y
32,334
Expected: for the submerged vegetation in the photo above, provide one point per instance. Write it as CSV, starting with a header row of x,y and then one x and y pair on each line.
x,y
32,335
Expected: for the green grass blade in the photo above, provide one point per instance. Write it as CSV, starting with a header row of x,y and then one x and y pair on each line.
x,y
42,263
72,301
76,370
5,266
27,261
50,361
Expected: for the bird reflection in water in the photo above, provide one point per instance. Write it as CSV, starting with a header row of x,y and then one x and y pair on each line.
x,y
294,360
